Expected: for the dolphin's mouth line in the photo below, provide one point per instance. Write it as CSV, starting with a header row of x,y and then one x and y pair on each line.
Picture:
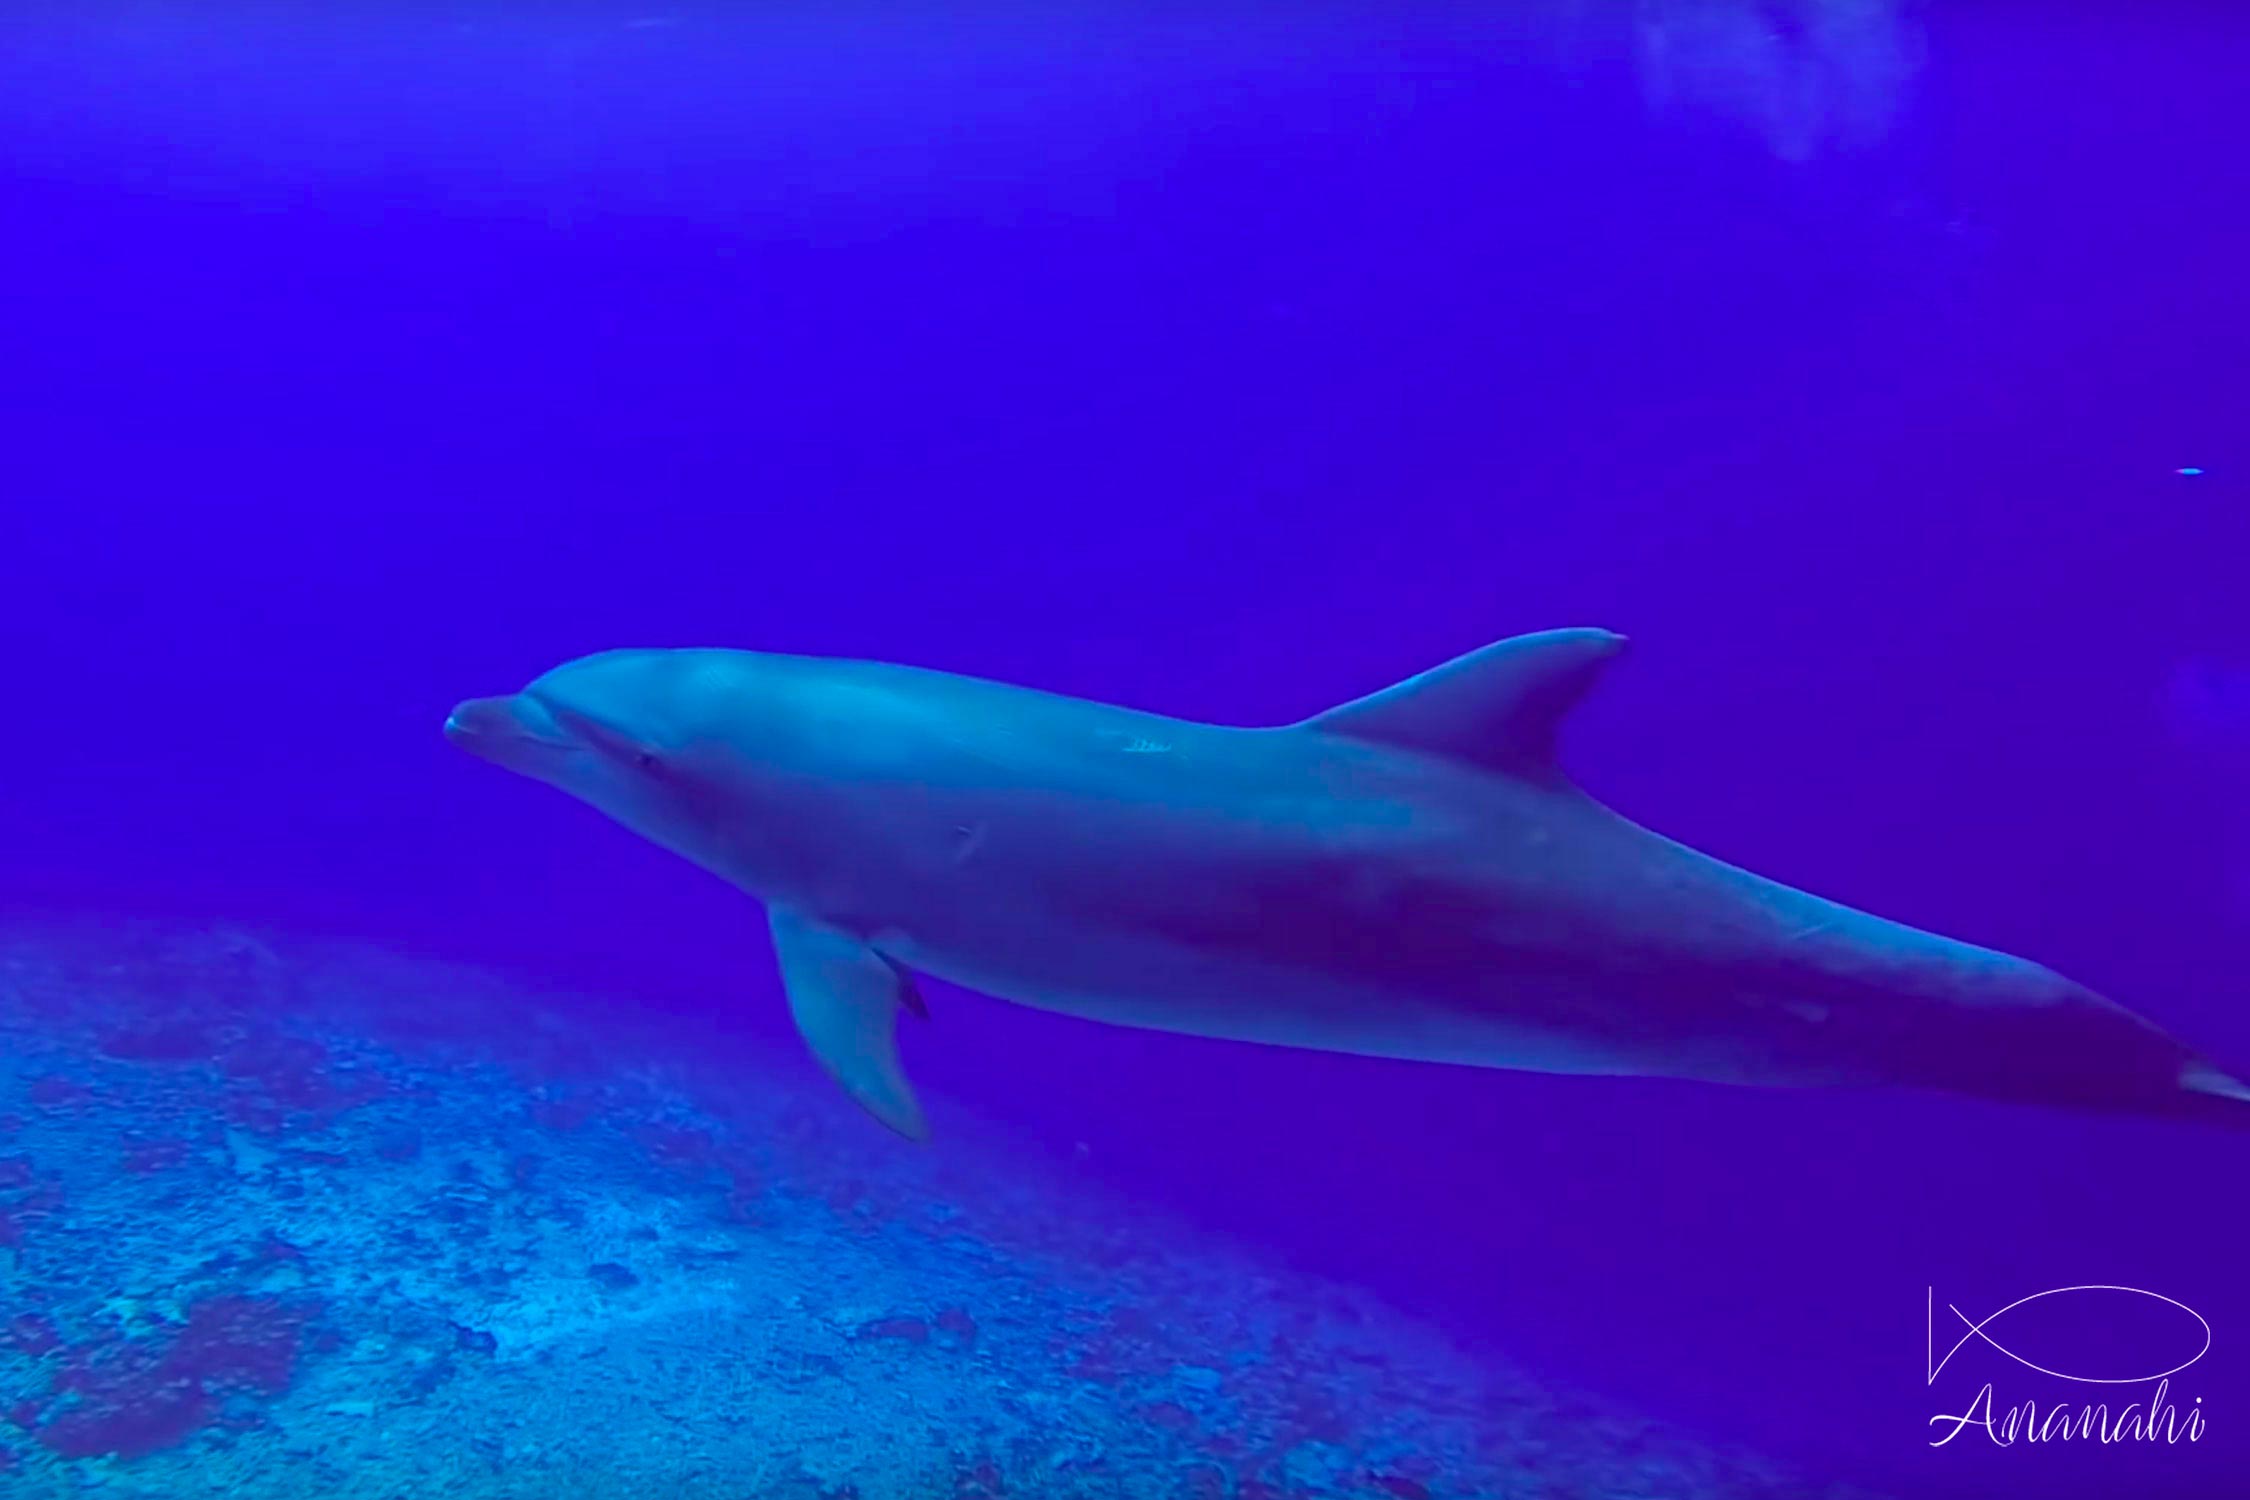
x,y
523,719
507,735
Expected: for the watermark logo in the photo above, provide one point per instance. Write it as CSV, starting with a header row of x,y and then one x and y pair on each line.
x,y
2135,1343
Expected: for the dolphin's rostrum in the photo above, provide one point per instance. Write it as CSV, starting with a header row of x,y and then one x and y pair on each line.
x,y
1409,875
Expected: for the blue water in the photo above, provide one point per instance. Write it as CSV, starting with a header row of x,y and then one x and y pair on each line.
x,y
375,1123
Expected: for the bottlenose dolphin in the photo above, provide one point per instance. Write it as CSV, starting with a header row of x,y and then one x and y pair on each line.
x,y
1408,875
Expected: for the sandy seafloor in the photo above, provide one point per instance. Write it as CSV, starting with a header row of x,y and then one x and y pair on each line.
x,y
293,1218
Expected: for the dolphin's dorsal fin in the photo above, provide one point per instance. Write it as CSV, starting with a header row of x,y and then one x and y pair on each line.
x,y
845,998
1498,706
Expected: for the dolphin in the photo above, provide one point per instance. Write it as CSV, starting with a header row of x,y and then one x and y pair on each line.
x,y
1409,875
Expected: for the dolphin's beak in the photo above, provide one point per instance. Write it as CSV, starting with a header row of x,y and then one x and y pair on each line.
x,y
480,719
508,729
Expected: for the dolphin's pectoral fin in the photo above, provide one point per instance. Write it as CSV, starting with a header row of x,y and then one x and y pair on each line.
x,y
845,998
1499,706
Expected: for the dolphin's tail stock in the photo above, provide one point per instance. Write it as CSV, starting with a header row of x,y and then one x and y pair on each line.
x,y
2036,1037
2211,1094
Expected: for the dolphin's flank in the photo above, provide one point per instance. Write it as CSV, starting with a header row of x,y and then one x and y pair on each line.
x,y
1408,875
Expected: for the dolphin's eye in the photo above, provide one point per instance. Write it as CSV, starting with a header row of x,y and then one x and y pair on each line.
x,y
646,760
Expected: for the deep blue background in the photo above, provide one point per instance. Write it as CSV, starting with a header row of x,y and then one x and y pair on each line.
x,y
1229,364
